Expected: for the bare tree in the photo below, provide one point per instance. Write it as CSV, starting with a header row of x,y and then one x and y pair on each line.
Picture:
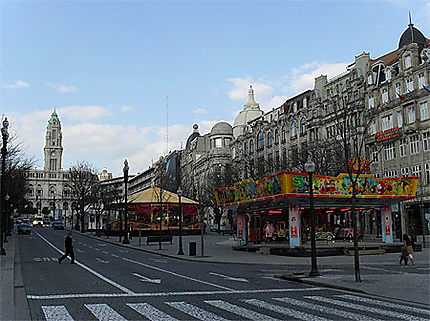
x,y
83,183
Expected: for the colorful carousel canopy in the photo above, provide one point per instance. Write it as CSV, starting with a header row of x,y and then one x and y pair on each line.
x,y
152,196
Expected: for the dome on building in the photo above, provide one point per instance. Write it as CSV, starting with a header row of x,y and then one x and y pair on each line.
x,y
412,34
250,112
193,136
222,128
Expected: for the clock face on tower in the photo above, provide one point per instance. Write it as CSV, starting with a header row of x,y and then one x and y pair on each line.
x,y
52,154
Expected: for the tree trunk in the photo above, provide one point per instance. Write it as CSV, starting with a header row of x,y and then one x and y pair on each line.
x,y
82,209
354,224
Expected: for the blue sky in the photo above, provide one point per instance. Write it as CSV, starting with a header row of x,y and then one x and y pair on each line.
x,y
109,66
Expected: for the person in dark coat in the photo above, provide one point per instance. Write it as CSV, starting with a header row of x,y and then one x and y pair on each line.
x,y
404,255
68,244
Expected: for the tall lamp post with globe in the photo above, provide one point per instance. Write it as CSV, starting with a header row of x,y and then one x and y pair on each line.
x,y
310,169
125,170
5,137
179,192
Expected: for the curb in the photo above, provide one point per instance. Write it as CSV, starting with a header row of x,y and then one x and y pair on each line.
x,y
22,311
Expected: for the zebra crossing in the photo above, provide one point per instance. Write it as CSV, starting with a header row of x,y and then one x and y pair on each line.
x,y
309,307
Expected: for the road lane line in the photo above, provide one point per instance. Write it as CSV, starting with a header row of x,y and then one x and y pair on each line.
x,y
151,313
114,255
178,275
252,315
56,312
118,286
392,314
385,304
325,309
285,311
104,312
160,294
196,312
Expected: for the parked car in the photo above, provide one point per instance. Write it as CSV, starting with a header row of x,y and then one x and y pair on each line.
x,y
18,220
57,225
46,222
320,235
24,228
214,228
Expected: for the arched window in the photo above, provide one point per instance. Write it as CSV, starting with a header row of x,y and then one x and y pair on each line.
x,y
276,136
293,129
269,139
245,148
260,141
283,135
251,146
303,126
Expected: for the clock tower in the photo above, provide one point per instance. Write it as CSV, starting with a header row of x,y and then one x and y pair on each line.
x,y
53,144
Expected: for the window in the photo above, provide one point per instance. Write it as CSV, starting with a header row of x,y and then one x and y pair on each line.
x,y
305,102
387,122
269,139
416,170
375,154
404,172
283,135
54,134
424,111
270,159
233,152
409,84
421,81
251,146
245,148
399,119
260,141
294,155
227,141
371,101
427,173
294,107
276,136
293,129
403,143
315,112
303,126
384,96
411,114
388,73
398,89
408,62
369,79
390,151
356,95
373,127
218,142
426,141
415,144
392,173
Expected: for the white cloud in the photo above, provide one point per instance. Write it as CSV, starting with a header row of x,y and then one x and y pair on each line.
x,y
240,88
17,84
126,108
200,111
62,89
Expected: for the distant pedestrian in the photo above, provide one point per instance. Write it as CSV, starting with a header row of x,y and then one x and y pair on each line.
x,y
407,251
68,245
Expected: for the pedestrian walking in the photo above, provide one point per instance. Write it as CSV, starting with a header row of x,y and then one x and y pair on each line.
x,y
68,245
407,251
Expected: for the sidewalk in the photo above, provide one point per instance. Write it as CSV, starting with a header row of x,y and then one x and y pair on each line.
x,y
388,279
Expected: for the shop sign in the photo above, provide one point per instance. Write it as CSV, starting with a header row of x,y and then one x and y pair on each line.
x,y
387,134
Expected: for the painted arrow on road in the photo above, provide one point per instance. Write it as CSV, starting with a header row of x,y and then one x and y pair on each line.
x,y
226,277
145,279
101,261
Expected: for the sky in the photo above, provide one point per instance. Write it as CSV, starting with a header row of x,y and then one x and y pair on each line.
x,y
129,79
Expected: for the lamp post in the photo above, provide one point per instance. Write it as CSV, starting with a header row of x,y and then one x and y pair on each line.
x,y
65,206
6,217
310,169
5,136
179,192
125,170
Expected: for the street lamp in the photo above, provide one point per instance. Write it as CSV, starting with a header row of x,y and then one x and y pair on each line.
x,y
66,207
310,169
179,192
5,136
6,218
125,170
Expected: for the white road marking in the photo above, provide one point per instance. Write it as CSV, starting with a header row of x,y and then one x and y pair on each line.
x,y
394,315
196,312
240,311
282,310
101,261
80,251
330,270
118,286
229,277
160,294
178,275
159,261
123,251
325,309
114,255
145,279
101,244
385,304
105,252
56,312
149,312
103,312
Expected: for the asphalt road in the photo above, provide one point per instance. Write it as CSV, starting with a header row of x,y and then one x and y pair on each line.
x,y
109,282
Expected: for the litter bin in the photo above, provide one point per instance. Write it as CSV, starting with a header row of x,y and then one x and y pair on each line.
x,y
193,249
